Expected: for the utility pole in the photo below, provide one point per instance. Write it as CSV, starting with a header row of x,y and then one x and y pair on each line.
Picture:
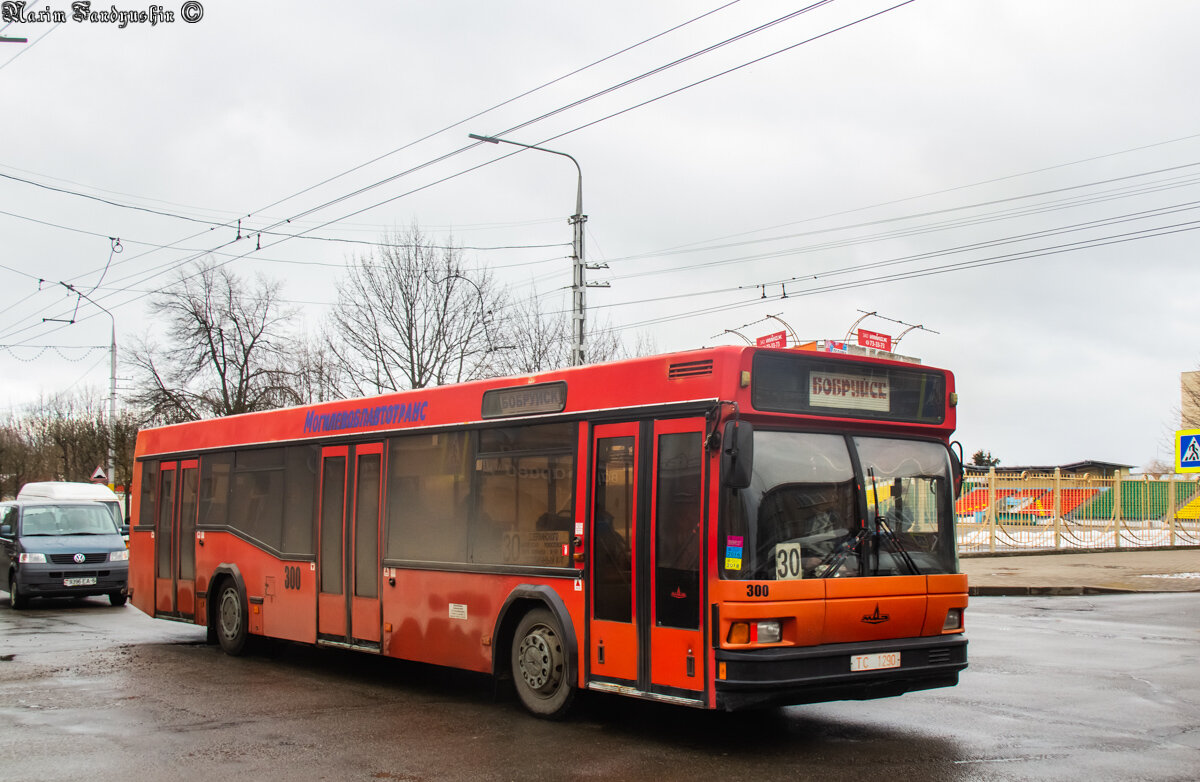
x,y
579,283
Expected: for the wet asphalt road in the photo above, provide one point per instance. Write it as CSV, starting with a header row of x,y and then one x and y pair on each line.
x,y
1088,688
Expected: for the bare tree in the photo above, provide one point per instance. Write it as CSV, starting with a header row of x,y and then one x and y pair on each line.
x,y
21,459
226,352
65,438
1158,468
71,434
410,315
538,340
319,376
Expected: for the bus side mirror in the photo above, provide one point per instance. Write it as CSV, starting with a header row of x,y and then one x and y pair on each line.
x,y
737,458
956,464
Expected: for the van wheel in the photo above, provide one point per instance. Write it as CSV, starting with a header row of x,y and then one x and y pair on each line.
x,y
539,665
15,596
117,598
232,629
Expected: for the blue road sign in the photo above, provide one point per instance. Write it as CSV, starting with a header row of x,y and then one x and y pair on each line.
x,y
1187,450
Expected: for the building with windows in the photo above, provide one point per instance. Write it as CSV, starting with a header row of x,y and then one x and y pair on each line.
x,y
1189,400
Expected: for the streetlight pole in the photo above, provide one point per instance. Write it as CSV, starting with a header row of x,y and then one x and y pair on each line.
x,y
579,284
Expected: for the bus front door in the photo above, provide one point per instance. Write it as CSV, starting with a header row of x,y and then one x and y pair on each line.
x,y
348,609
175,539
647,528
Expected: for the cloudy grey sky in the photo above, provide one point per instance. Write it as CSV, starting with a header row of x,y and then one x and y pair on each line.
x,y
1020,176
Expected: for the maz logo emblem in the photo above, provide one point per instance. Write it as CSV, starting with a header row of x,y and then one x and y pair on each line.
x,y
876,618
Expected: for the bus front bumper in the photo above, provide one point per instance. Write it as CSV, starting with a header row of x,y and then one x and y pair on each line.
x,y
795,675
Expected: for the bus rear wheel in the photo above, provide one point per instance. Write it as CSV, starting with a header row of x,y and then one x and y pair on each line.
x,y
232,629
539,665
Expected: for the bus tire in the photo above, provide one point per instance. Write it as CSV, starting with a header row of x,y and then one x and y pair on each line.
x,y
539,665
15,597
233,631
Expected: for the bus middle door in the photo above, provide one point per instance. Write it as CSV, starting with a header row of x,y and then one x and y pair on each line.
x,y
348,607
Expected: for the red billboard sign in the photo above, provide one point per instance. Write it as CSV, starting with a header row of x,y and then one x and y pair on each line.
x,y
873,339
776,340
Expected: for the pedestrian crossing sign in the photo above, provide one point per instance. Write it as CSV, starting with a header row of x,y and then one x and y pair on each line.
x,y
1187,450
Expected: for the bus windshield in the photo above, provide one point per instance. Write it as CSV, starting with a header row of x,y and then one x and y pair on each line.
x,y
803,515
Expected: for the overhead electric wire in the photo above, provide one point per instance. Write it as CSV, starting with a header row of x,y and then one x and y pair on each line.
x,y
608,117
591,123
931,194
559,110
1090,225
504,103
913,216
40,38
155,272
251,233
904,233
230,223
1085,244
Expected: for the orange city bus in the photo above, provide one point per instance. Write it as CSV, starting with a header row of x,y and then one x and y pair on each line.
x,y
725,528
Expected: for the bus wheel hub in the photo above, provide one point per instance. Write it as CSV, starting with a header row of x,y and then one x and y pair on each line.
x,y
538,658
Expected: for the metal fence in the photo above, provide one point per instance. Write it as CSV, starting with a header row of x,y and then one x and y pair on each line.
x,y
1006,512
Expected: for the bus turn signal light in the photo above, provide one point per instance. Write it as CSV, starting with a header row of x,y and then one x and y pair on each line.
x,y
739,633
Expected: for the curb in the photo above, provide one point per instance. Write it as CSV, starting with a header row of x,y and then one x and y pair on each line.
x,y
1044,591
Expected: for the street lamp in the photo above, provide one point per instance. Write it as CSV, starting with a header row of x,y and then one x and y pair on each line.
x,y
579,285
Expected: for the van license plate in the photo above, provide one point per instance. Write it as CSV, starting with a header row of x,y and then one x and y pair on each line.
x,y
875,662
80,582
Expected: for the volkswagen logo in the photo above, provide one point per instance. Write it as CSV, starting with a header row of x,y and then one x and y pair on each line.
x,y
79,559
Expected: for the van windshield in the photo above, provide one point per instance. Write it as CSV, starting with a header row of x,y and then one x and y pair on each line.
x,y
68,520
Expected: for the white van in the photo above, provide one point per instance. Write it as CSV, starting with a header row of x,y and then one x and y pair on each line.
x,y
66,490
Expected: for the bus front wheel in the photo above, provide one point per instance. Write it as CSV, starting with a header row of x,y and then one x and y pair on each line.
x,y
539,665
232,629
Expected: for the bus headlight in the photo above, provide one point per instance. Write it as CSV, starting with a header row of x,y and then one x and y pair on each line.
x,y
119,556
32,559
954,620
770,632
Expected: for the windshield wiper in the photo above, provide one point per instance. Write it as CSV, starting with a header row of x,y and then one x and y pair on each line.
x,y
834,560
882,527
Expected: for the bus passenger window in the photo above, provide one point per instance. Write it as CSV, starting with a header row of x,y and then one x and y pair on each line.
x,y
427,497
613,534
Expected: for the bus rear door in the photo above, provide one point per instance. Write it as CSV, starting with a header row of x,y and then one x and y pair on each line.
x,y
175,539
